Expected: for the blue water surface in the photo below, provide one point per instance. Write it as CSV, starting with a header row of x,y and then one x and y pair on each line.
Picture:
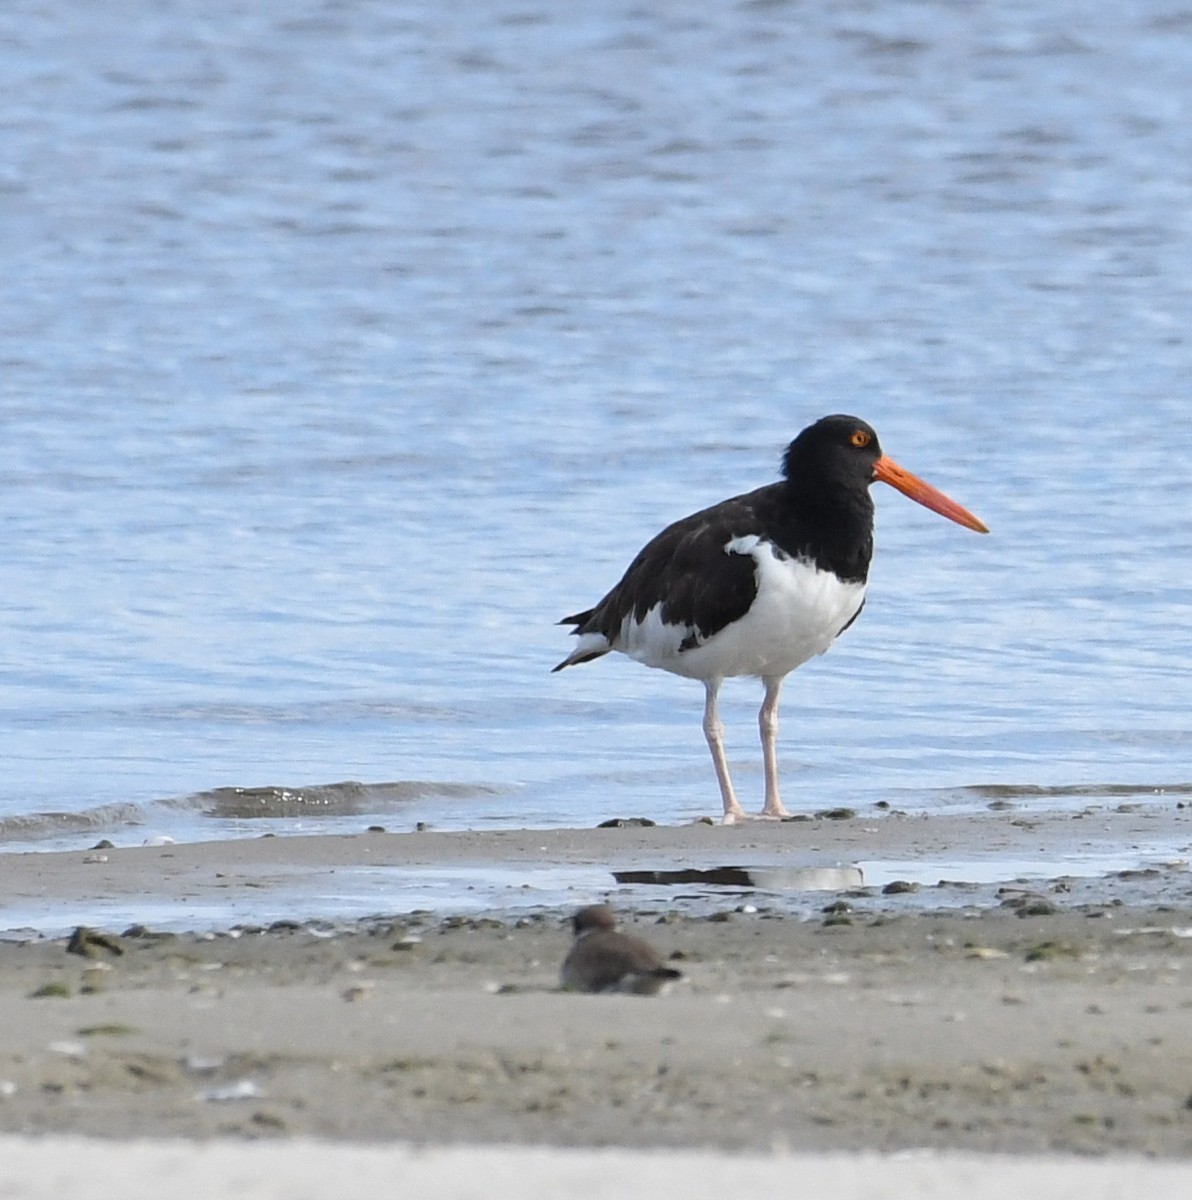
x,y
346,347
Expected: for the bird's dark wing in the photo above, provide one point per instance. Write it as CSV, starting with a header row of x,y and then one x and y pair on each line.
x,y
688,570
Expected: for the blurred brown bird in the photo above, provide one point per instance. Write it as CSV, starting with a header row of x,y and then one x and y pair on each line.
x,y
606,960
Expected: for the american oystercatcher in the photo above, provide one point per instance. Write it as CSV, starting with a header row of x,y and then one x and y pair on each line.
x,y
605,960
758,584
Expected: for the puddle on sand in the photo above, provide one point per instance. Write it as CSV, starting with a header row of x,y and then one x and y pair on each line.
x,y
350,894
770,879
346,894
876,873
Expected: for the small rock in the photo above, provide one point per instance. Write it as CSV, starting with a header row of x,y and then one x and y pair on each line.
x,y
108,1029
89,943
897,887
1047,951
57,991
143,931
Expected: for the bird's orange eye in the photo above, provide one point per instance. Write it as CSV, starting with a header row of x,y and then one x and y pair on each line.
x,y
860,438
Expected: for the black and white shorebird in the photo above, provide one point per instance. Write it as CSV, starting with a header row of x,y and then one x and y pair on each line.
x,y
602,959
758,584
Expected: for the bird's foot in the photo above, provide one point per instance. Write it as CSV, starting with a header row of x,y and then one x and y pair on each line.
x,y
773,812
738,816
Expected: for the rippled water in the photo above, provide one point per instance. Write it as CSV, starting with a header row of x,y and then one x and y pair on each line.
x,y
348,346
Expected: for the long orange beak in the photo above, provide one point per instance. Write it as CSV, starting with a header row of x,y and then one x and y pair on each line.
x,y
888,471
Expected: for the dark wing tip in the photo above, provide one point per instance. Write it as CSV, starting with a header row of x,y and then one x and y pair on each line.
x,y
573,660
578,618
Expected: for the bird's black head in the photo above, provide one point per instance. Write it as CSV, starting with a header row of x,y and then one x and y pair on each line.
x,y
839,451
831,464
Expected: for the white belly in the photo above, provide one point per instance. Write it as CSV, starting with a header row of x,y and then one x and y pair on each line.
x,y
798,613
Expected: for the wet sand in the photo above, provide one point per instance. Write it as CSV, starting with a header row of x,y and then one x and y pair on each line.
x,y
1032,1017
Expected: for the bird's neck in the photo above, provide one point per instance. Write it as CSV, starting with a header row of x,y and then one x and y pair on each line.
x,y
832,528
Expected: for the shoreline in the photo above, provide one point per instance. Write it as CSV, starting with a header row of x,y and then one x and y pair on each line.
x,y
948,860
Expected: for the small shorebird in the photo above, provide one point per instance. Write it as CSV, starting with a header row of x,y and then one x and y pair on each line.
x,y
604,960
758,584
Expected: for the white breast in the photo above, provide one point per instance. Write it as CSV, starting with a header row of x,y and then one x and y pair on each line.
x,y
798,612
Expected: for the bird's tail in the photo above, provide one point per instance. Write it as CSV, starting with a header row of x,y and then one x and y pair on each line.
x,y
647,983
591,645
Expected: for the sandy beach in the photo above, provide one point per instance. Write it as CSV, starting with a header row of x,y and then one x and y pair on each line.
x,y
78,1169
1013,1016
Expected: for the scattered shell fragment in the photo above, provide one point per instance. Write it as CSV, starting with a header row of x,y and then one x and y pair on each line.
x,y
200,1064
68,1049
242,1089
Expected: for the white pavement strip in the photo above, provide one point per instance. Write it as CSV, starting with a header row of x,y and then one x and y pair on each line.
x,y
68,1168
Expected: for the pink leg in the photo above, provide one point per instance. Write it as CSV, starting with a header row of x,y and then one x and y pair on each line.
x,y
767,721
714,732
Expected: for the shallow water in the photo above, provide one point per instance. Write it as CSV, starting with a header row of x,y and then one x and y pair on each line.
x,y
1145,874
347,347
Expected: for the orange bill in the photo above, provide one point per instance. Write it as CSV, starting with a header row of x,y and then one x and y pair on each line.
x,y
888,471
